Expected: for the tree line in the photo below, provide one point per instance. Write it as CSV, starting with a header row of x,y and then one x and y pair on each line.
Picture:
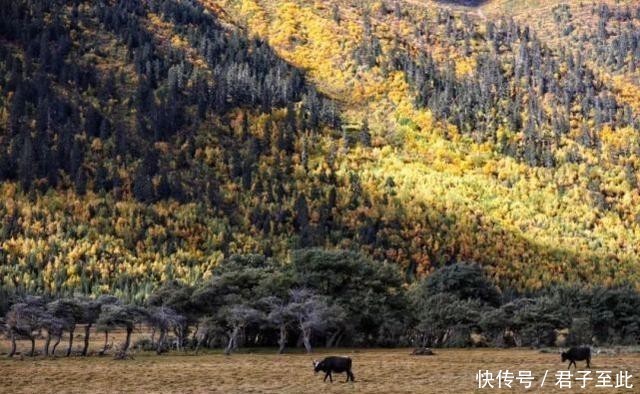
x,y
332,298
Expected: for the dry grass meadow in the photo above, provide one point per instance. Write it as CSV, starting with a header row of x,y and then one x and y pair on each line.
x,y
376,371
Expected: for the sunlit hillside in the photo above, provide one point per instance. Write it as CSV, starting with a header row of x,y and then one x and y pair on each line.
x,y
532,219
418,132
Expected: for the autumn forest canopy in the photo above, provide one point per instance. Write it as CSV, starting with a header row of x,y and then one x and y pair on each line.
x,y
147,142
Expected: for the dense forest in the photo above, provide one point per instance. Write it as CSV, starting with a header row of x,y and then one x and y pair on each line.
x,y
143,142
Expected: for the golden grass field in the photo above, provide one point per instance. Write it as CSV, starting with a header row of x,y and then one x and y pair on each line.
x,y
376,371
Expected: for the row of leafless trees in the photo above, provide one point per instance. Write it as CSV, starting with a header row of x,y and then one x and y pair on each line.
x,y
32,317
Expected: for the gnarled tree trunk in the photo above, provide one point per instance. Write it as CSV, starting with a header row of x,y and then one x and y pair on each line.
x,y
180,338
233,337
333,339
306,338
87,330
70,341
127,341
46,344
55,345
13,345
153,337
160,344
194,337
106,342
33,346
282,341
199,342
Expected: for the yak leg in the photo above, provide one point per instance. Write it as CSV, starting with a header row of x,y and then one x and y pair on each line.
x,y
350,376
588,362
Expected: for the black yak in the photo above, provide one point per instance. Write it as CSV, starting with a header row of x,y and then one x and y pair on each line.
x,y
334,364
577,354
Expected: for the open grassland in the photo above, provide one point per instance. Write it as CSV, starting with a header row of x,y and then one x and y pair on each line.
x,y
376,371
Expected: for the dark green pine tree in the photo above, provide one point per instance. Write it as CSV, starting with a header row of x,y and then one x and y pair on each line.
x,y
213,193
76,156
301,221
5,164
245,126
80,182
143,186
164,187
26,166
102,183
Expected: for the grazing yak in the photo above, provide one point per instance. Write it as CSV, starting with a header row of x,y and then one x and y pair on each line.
x,y
577,354
334,364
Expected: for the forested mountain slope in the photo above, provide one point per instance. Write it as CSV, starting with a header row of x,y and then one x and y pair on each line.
x,y
145,140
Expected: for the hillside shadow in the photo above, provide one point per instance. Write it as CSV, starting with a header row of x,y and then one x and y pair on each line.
x,y
512,257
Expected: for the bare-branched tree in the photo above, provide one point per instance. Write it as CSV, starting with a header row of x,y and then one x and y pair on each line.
x,y
24,321
68,312
311,313
178,297
237,318
55,328
280,316
102,301
126,316
164,319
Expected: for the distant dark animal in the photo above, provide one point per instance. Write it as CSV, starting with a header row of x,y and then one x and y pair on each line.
x,y
577,354
334,364
422,351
